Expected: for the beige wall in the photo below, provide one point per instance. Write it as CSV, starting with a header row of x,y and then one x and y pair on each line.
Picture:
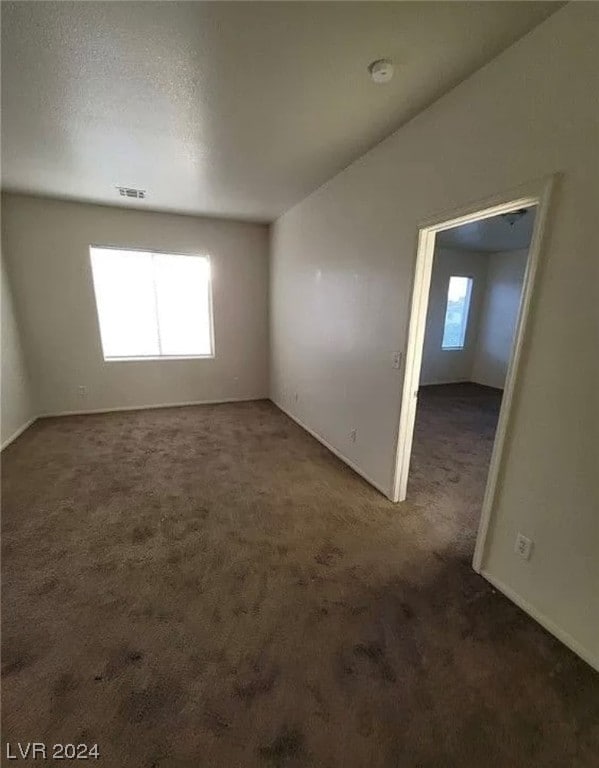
x,y
341,277
17,406
498,318
441,366
47,246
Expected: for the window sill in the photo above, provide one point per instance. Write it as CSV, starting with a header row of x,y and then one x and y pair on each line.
x,y
157,358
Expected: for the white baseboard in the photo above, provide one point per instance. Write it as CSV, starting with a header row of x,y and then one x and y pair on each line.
x,y
439,383
545,622
115,409
119,408
337,453
16,434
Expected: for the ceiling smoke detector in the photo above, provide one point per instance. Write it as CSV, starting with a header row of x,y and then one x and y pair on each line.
x,y
137,194
381,70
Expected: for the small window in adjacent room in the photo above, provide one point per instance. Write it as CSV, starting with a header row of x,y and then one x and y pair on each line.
x,y
456,314
152,305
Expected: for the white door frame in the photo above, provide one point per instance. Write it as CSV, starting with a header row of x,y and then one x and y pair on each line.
x,y
537,193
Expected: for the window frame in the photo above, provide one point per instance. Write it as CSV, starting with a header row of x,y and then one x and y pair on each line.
x,y
154,358
466,322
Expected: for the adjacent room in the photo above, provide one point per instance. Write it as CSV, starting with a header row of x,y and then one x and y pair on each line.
x,y
474,299
299,384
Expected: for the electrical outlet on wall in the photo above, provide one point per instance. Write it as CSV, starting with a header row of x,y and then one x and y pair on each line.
x,y
523,546
353,434
397,360
82,390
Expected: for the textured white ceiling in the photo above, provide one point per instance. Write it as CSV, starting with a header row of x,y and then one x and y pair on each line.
x,y
226,108
491,235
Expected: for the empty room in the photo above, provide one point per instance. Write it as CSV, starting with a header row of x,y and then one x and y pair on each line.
x,y
299,384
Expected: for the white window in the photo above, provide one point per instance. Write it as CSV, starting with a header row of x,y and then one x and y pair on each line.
x,y
152,305
456,314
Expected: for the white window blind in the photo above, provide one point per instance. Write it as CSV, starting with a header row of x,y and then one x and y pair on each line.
x,y
152,305
456,313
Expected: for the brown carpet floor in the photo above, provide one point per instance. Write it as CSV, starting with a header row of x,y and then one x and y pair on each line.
x,y
208,586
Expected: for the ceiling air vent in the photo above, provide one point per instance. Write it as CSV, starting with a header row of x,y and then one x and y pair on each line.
x,y
138,194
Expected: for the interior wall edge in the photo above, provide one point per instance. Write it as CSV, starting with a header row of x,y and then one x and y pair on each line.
x,y
18,394
16,192
18,433
551,627
385,491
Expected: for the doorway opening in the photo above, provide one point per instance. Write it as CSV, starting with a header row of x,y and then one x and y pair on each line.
x,y
471,303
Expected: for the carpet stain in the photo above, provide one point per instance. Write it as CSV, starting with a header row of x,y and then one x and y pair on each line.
x,y
216,723
376,656
120,660
257,686
64,684
288,744
14,665
328,555
141,534
150,703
